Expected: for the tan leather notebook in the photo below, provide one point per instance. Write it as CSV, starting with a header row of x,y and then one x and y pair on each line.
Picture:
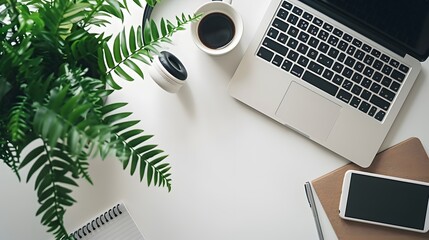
x,y
407,159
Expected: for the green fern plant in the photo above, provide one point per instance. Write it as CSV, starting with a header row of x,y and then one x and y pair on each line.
x,y
53,77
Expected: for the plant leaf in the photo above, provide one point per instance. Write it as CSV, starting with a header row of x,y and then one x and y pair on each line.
x,y
154,30
142,169
147,38
139,37
111,107
152,154
36,165
121,73
139,140
134,67
42,174
134,162
163,27
108,56
45,194
116,117
131,133
45,205
149,175
132,39
112,83
117,49
32,155
146,148
124,44
138,3
124,125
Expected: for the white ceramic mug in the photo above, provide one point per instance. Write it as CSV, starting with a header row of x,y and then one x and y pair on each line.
x,y
224,8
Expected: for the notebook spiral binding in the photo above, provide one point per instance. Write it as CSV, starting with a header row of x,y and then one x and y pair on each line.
x,y
96,223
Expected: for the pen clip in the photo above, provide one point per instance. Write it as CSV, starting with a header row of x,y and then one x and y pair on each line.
x,y
307,188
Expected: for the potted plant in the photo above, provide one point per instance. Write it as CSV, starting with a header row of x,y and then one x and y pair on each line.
x,y
53,76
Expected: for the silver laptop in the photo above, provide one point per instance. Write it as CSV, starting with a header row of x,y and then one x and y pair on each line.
x,y
335,71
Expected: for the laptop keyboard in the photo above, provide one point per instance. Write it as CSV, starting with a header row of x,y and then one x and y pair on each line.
x,y
332,60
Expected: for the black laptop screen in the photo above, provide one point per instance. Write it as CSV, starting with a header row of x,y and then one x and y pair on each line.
x,y
404,21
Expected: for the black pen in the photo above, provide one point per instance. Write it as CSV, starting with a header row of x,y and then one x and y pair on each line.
x,y
310,199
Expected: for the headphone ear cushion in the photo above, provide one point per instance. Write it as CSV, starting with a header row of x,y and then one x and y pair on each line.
x,y
168,72
173,65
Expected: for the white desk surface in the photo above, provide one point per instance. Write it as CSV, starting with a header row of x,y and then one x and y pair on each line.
x,y
236,173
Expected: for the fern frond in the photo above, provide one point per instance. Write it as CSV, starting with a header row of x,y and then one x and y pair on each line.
x,y
131,147
100,10
59,21
133,47
19,119
38,88
90,90
64,118
9,154
82,166
82,49
13,59
59,18
54,177
17,60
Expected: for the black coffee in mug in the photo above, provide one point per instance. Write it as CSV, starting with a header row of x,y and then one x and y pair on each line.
x,y
216,30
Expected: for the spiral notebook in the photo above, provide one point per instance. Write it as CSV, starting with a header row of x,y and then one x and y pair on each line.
x,y
114,224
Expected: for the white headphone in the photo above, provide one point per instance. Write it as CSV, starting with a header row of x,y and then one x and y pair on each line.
x,y
166,69
168,72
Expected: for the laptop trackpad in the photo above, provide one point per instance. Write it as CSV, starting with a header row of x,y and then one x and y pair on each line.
x,y
308,112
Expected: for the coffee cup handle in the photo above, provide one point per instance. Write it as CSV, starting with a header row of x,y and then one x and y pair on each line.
x,y
227,1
